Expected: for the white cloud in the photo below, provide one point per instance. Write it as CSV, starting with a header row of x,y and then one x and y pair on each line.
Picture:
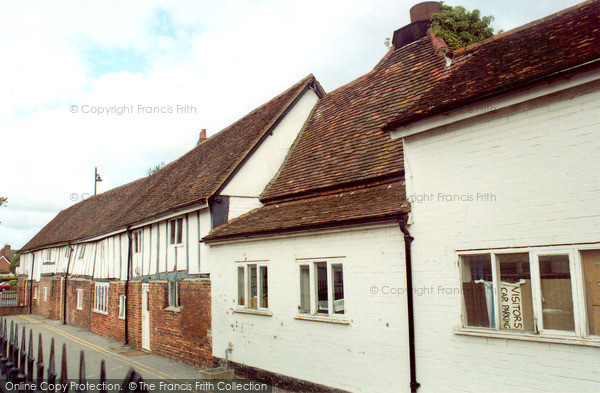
x,y
224,58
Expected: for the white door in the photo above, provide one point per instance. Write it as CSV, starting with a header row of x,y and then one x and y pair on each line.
x,y
145,317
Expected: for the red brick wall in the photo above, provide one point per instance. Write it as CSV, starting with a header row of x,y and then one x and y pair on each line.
x,y
80,318
52,307
185,334
134,313
110,325
14,310
23,285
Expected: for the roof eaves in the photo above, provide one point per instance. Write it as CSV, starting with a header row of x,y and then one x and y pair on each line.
x,y
306,228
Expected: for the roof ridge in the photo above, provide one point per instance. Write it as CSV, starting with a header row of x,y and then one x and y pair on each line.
x,y
527,25
274,120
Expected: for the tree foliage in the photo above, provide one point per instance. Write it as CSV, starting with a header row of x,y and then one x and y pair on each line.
x,y
459,27
3,201
13,263
153,170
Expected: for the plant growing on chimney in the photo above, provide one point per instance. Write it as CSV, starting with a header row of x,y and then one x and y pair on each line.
x,y
460,27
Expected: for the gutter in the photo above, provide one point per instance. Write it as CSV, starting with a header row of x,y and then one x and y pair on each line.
x,y
65,286
129,262
414,385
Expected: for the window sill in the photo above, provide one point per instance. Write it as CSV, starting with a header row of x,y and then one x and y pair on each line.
x,y
79,309
100,312
173,309
265,313
573,340
318,318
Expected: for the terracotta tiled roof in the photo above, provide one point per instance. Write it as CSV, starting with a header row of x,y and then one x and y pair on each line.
x,y
371,204
510,61
189,180
344,144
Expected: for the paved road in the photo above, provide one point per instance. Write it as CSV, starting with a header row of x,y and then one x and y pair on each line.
x,y
119,359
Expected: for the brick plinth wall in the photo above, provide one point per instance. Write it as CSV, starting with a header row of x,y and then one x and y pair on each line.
x,y
51,307
134,313
75,317
24,294
109,325
185,333
14,310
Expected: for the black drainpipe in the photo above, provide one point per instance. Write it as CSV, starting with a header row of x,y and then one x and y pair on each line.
x,y
65,288
129,261
31,283
414,385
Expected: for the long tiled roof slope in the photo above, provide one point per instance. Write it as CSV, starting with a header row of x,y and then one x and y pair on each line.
x,y
189,180
511,61
344,142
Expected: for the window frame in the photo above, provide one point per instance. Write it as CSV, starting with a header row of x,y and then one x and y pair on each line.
x,y
313,290
580,334
138,241
79,299
175,231
45,294
122,309
102,246
173,295
247,306
101,297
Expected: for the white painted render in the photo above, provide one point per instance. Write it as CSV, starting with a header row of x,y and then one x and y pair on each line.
x,y
241,205
156,256
263,165
367,355
528,176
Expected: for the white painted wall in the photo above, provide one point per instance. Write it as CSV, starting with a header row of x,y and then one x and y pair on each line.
x,y
262,166
541,161
240,205
369,355
157,255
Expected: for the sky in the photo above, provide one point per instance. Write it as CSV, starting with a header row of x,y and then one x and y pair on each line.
x,y
126,85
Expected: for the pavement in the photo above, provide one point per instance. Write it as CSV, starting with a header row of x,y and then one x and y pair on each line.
x,y
118,359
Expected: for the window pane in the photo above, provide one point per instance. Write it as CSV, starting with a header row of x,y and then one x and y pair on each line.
x,y
591,274
172,231
516,304
179,239
240,272
304,289
557,298
322,294
478,292
264,287
252,284
338,289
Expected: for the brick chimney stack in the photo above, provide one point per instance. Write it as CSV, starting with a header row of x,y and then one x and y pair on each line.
x,y
202,137
419,22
